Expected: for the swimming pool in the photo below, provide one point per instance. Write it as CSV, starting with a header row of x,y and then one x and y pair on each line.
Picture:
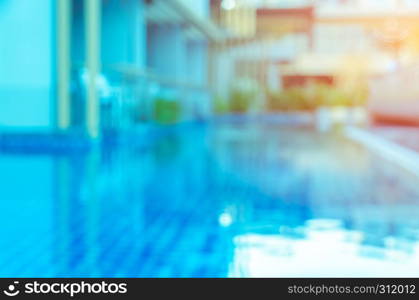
x,y
228,199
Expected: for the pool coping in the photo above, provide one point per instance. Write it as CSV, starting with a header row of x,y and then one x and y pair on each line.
x,y
140,135
391,151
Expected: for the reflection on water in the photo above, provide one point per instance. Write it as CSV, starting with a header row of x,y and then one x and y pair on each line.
x,y
213,201
331,252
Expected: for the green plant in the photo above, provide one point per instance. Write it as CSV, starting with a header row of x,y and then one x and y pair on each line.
x,y
336,97
240,101
243,95
312,96
292,99
221,105
166,111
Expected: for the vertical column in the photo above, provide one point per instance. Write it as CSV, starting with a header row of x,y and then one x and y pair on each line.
x,y
63,63
198,75
93,21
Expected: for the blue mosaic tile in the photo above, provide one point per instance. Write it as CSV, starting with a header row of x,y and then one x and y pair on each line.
x,y
216,200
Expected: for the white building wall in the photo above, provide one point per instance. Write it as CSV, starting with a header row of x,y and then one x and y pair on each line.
x,y
341,39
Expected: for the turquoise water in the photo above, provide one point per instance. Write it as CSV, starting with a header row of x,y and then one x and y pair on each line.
x,y
216,200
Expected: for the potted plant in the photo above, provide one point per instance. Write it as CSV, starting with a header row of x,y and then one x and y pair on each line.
x,y
166,110
243,96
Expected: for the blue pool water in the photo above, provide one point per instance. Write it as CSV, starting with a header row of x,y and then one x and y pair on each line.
x,y
220,200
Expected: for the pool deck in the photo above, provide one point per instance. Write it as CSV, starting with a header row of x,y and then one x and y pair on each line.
x,y
396,144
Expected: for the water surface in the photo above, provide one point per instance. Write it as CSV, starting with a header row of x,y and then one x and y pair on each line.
x,y
220,200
